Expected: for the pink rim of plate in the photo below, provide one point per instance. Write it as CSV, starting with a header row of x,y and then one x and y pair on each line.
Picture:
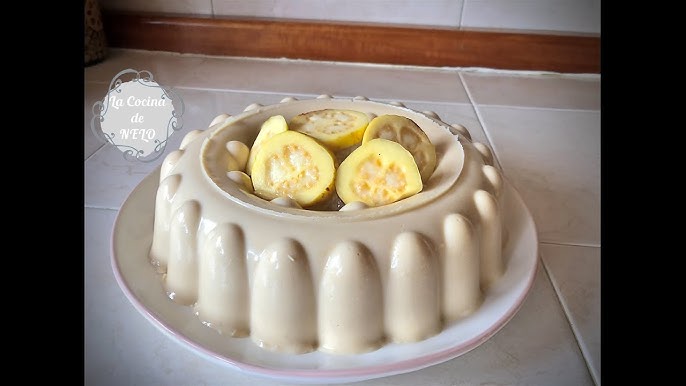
x,y
377,371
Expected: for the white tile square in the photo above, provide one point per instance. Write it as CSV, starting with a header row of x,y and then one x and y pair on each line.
x,y
580,16
286,77
463,114
557,91
337,79
553,158
168,69
202,106
92,93
575,274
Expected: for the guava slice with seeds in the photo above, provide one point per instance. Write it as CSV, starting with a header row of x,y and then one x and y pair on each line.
x,y
271,127
377,173
407,133
336,129
292,164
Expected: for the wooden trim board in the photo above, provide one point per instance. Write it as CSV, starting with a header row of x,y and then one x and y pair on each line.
x,y
352,42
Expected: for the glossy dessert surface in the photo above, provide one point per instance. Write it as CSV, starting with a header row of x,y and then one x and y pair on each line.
x,y
342,281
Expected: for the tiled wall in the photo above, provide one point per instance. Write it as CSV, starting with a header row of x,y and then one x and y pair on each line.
x,y
572,16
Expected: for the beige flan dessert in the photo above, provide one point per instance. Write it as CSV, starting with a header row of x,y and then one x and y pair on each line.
x,y
317,272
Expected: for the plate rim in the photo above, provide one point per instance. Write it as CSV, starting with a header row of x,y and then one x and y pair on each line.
x,y
328,375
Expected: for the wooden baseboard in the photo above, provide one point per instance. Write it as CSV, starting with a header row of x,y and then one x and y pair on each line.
x,y
353,42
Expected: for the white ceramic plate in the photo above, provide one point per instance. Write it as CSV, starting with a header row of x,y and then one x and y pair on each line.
x,y
131,240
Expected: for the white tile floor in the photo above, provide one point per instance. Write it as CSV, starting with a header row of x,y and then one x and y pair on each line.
x,y
544,129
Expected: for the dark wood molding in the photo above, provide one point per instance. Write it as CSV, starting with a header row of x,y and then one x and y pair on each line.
x,y
353,42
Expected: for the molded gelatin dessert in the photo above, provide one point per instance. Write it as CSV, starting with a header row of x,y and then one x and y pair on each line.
x,y
341,281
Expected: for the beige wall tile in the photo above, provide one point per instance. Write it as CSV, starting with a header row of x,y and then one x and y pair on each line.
x,y
430,12
547,15
200,7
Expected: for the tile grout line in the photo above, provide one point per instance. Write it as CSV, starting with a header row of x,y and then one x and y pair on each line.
x,y
539,108
102,144
100,207
563,244
461,21
310,95
481,120
567,313
301,94
446,69
93,153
